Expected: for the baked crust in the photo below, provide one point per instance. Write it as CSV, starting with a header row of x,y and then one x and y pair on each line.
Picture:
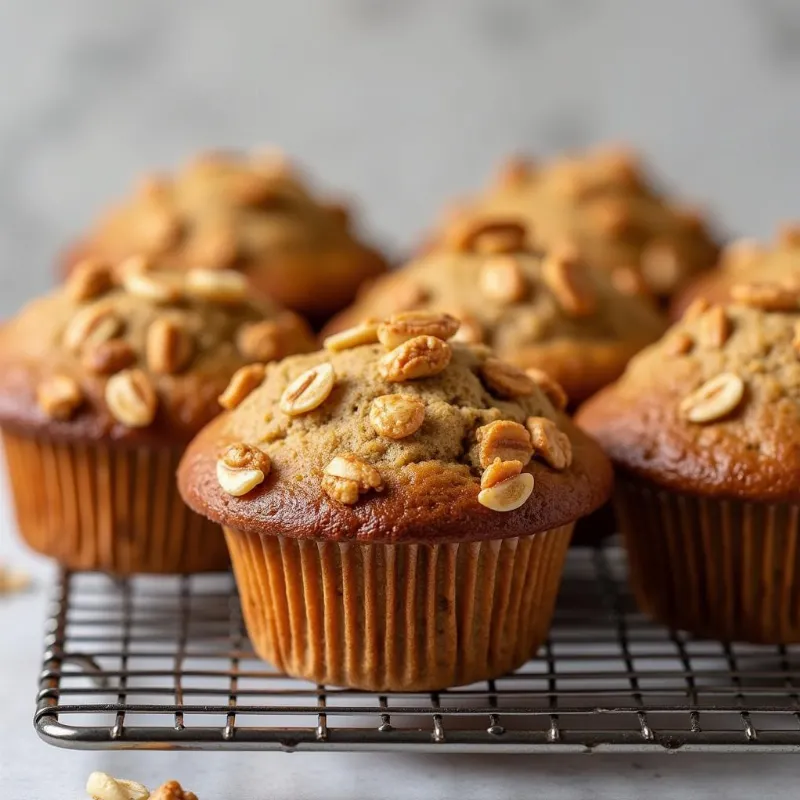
x,y
431,479
254,214
752,452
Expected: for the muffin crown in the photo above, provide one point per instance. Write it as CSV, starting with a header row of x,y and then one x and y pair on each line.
x,y
252,214
603,202
395,433
129,353
534,308
714,407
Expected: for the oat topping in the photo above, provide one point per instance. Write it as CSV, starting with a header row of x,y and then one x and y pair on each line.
x,y
308,391
506,440
244,380
400,328
715,399
420,357
241,468
397,415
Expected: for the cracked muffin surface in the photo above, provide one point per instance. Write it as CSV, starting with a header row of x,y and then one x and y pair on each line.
x,y
541,309
401,439
254,214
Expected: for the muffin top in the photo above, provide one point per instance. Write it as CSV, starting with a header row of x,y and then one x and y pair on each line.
x,y
743,261
395,434
253,214
714,407
603,203
132,354
537,310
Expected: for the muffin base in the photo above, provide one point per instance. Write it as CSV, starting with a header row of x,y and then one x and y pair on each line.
x,y
724,569
113,509
404,617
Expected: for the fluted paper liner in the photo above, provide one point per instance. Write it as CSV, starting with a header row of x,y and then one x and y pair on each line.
x,y
110,508
397,617
724,569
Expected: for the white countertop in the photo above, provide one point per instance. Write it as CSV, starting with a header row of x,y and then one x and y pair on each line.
x,y
32,770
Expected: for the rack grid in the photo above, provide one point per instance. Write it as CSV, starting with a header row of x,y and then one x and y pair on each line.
x,y
165,663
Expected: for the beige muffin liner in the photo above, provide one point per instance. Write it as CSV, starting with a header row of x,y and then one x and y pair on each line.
x,y
397,617
725,569
114,509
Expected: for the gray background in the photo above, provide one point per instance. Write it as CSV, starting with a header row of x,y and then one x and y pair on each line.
x,y
401,103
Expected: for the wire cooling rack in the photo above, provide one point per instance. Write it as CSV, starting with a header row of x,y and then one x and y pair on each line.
x,y
164,663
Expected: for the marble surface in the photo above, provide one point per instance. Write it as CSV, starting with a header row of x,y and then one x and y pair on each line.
x,y
401,104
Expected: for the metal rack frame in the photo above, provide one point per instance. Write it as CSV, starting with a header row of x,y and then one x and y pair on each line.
x,y
164,663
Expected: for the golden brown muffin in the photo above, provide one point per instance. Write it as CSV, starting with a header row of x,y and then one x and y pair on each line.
x,y
602,202
745,261
398,512
253,214
544,311
704,428
102,383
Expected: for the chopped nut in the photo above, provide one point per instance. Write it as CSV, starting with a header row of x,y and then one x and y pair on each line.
x,y
347,476
470,331
259,341
488,236
397,415
217,286
131,398
696,308
714,399
568,282
503,439
308,391
509,494
153,287
551,388
241,468
59,397
101,786
366,333
767,296
420,357
678,344
172,790
108,357
407,325
91,325
715,328
661,266
244,380
89,279
549,443
169,347
506,380
501,279
499,471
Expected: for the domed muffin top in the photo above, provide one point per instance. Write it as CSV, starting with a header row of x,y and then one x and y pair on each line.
x,y
129,353
537,310
743,261
604,204
714,407
394,433
252,214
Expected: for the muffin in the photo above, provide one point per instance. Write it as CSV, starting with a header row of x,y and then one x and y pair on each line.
x,y
397,507
538,310
603,202
252,214
102,384
745,261
704,430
